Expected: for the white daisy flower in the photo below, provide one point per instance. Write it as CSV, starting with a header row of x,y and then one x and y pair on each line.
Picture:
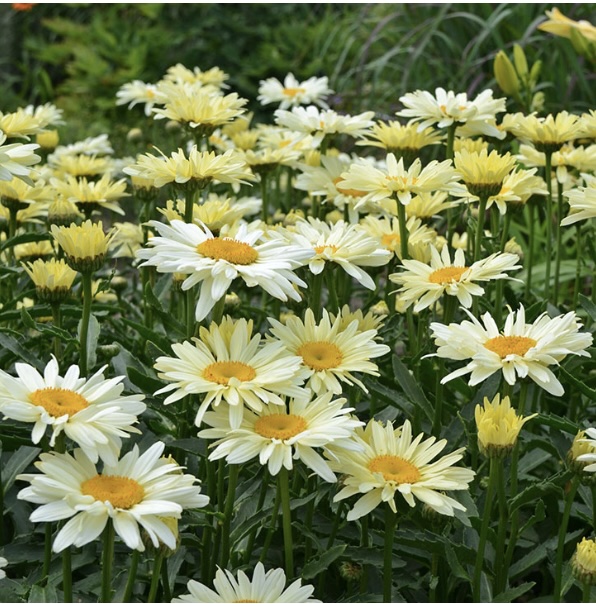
x,y
590,440
91,412
216,261
265,587
391,462
293,92
348,245
137,490
331,352
275,434
3,563
520,350
139,92
228,363
582,202
423,284
16,159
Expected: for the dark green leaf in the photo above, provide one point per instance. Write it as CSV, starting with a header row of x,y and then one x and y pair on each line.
x,y
19,350
321,563
24,238
413,391
588,306
18,463
510,595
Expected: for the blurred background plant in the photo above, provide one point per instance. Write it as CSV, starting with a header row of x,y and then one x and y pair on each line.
x,y
78,55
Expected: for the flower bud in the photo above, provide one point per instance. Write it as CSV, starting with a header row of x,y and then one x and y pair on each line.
x,y
505,74
521,64
581,457
583,563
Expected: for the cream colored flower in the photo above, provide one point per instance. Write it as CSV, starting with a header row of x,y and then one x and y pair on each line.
x,y
498,426
521,350
53,279
366,322
331,352
399,139
396,181
85,246
447,108
228,364
391,462
276,434
427,205
139,92
211,77
550,133
103,193
293,92
16,159
583,563
582,202
560,25
127,240
423,285
483,173
135,490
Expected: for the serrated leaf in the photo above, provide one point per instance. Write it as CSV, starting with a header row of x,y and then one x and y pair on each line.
x,y
18,463
19,350
321,563
409,385
538,553
454,565
510,595
29,321
535,491
43,594
581,386
559,423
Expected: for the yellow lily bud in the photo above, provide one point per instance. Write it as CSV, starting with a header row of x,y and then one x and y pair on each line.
x,y
521,64
535,73
505,74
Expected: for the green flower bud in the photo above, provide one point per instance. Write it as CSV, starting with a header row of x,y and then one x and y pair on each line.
x,y
521,64
505,74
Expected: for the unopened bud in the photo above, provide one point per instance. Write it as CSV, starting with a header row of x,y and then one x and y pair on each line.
x,y
521,64
505,74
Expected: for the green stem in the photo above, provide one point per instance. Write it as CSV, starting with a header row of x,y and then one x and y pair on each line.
x,y
155,576
47,552
165,582
480,227
530,263
587,593
486,517
562,534
434,572
505,233
558,235
364,545
107,560
67,574
87,298
390,524
336,521
310,512
500,577
57,321
190,312
316,290
260,503
228,510
439,390
578,264
549,221
593,489
12,230
264,198
284,489
132,576
274,514
450,141
403,230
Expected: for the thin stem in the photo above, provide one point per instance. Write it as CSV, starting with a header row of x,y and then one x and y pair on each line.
x,y
189,299
562,534
47,552
390,524
480,227
106,562
228,510
274,514
500,577
316,289
530,264
559,232
67,574
486,517
57,321
260,503
586,593
578,263
593,489
505,233
336,520
132,576
310,511
364,545
284,489
549,221
264,198
155,576
87,298
403,230
165,582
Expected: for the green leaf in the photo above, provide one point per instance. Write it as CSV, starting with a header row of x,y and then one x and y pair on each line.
x,y
588,306
17,349
536,491
413,391
321,563
510,595
43,594
92,339
161,342
455,567
145,382
581,386
18,463
29,321
538,553
559,423
24,238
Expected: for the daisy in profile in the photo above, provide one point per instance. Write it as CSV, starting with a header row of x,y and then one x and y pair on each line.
x,y
520,350
91,195
396,181
424,284
446,108
229,364
582,202
293,92
348,245
144,490
16,159
330,354
138,91
483,173
548,134
53,279
216,261
390,461
91,412
276,435
85,246
264,587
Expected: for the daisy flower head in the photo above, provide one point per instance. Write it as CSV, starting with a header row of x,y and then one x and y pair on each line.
x,y
136,92
370,320
16,159
330,354
91,412
581,456
397,182
424,284
137,490
210,77
521,350
19,124
293,92
195,171
483,173
427,205
84,246
276,434
348,245
447,108
320,123
548,134
390,461
498,426
267,586
79,166
216,261
517,187
227,363
582,202
3,563
53,279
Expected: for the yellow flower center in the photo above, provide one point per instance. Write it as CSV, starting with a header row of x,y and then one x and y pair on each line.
x,y
350,192
395,469
390,240
403,181
235,252
447,274
222,372
319,249
120,491
58,401
320,355
505,345
291,92
280,426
